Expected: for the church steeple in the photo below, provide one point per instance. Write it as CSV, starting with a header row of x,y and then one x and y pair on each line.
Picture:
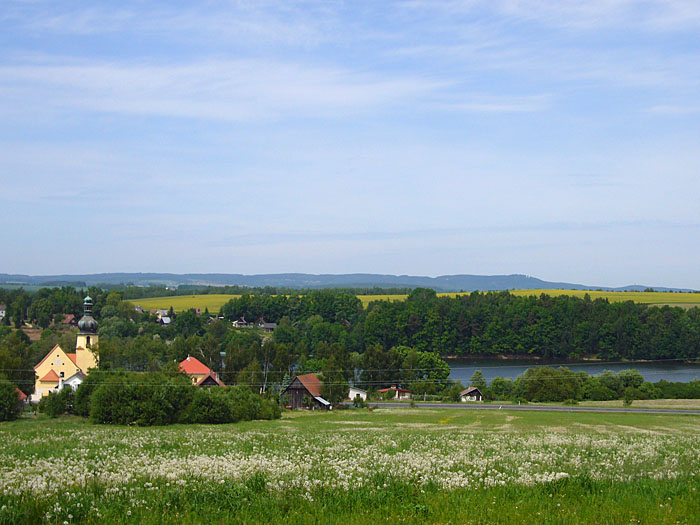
x,y
87,323
87,338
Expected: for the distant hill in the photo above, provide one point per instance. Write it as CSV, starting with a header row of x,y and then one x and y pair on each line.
x,y
444,283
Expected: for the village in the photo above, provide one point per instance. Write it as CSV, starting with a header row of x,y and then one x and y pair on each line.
x,y
60,369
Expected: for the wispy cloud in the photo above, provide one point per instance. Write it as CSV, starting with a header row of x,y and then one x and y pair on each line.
x,y
234,90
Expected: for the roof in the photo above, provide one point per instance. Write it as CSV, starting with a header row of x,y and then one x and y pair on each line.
x,y
165,319
21,395
209,378
77,374
322,401
358,389
393,388
192,365
73,358
311,383
469,390
51,377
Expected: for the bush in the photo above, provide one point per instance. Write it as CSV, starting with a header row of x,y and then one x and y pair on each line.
x,y
163,399
10,405
93,380
142,399
58,403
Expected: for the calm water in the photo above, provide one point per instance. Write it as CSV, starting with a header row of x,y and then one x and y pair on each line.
x,y
462,369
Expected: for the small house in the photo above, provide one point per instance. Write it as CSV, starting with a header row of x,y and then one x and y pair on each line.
x,y
470,394
200,373
357,392
3,311
305,392
400,393
268,328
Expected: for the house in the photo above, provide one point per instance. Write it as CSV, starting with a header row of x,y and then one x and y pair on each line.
x,y
401,393
240,323
159,314
139,309
357,392
268,328
3,311
69,320
470,394
165,320
200,373
22,398
59,368
305,392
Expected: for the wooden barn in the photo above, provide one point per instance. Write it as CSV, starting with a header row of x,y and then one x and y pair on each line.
x,y
305,392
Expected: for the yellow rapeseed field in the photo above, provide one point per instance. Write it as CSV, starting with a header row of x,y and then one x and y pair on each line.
x,y
215,301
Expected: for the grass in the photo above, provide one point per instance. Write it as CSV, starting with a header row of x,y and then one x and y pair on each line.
x,y
215,301
357,466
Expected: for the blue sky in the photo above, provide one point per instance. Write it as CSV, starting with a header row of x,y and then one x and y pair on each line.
x,y
551,138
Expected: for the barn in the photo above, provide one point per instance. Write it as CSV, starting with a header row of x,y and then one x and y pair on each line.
x,y
305,392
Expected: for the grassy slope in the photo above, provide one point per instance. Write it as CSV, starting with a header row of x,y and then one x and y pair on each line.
x,y
215,301
578,499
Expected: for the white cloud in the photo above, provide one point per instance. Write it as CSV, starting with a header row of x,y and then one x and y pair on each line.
x,y
229,90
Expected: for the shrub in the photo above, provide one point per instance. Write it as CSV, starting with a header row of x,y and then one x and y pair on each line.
x,y
58,403
10,405
141,399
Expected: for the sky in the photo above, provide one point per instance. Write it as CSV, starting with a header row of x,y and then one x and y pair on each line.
x,y
558,139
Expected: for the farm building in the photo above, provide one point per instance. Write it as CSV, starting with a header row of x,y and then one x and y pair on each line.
x,y
470,394
355,392
400,393
305,392
59,368
200,373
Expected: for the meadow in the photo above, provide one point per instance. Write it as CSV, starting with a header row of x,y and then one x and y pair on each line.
x,y
215,301
408,465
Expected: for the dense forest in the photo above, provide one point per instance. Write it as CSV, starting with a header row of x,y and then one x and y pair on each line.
x,y
328,331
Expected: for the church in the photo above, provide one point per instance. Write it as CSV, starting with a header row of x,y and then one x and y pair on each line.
x,y
59,369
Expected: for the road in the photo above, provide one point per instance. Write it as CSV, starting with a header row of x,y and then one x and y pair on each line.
x,y
537,408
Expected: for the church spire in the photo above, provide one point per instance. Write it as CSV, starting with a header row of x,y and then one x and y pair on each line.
x,y
87,323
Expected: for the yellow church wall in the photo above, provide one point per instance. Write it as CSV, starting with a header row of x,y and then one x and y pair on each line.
x,y
58,361
84,355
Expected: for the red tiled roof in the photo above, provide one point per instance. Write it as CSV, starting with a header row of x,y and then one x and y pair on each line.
x,y
312,383
73,358
52,377
21,395
68,319
393,389
192,365
213,377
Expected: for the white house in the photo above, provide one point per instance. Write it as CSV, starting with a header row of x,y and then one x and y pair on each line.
x,y
470,394
355,392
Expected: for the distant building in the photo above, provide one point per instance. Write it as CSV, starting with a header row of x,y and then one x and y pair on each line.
x,y
200,373
400,393
470,394
268,328
357,392
59,368
165,320
305,392
3,311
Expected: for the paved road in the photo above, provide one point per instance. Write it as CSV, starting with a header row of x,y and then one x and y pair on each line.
x,y
538,408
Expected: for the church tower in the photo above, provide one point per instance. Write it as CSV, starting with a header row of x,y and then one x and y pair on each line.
x,y
87,339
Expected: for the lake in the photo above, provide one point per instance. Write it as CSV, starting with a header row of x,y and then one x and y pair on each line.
x,y
463,368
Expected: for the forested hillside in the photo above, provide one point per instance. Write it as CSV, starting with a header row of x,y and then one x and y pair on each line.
x,y
330,332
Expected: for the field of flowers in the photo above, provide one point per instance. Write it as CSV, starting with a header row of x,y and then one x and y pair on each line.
x,y
410,465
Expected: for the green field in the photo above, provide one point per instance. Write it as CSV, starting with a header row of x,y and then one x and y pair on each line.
x,y
216,301
408,465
